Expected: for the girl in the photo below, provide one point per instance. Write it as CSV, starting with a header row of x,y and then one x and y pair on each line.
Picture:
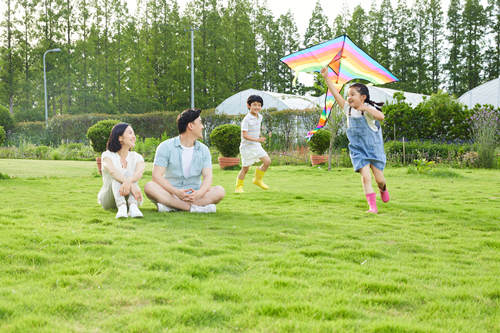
x,y
366,146
122,169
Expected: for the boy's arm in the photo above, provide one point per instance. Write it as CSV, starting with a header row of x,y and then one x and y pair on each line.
x,y
251,138
340,100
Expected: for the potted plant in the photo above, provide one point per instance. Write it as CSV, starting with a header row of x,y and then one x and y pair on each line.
x,y
318,144
227,139
98,135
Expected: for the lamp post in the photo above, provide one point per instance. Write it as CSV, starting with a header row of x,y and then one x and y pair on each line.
x,y
45,84
192,29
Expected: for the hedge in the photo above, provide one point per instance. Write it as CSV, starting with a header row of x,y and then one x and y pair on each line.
x,y
430,151
289,126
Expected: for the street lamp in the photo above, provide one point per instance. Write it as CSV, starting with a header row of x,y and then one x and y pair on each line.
x,y
45,84
192,29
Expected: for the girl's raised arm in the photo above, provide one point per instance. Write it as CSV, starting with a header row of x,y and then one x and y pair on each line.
x,y
340,100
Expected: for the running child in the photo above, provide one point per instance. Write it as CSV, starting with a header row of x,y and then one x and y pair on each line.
x,y
250,148
366,146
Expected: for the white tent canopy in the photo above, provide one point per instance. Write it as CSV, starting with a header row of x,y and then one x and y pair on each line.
x,y
237,104
487,93
385,95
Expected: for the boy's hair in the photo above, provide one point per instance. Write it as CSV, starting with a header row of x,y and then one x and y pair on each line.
x,y
113,143
186,117
255,98
363,90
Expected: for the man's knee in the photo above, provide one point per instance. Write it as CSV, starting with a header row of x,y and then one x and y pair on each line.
x,y
219,193
150,189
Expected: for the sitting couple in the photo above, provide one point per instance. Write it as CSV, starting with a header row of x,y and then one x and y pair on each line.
x,y
179,165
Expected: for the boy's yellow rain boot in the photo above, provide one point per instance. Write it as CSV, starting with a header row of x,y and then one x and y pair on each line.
x,y
257,180
239,185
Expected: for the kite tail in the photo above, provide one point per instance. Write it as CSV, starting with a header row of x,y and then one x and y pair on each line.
x,y
295,79
325,114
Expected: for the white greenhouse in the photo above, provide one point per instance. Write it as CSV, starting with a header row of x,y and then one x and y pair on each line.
x,y
487,93
237,103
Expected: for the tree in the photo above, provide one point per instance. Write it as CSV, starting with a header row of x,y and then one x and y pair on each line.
x,y
356,27
492,54
436,31
454,66
317,30
474,22
405,58
423,46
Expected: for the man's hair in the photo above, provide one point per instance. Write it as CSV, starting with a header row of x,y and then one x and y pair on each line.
x,y
255,98
114,144
186,117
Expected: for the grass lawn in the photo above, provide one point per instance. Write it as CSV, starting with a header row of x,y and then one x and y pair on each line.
x,y
301,257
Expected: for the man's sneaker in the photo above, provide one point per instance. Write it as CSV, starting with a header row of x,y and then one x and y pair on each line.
x,y
164,209
203,209
133,211
122,212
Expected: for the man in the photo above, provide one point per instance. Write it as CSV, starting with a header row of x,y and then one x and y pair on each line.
x,y
178,166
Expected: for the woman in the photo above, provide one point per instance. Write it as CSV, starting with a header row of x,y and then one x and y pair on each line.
x,y
122,169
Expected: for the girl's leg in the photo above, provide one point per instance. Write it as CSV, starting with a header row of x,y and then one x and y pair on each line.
x,y
366,180
380,179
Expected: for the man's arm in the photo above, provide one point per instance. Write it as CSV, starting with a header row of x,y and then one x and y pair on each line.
x,y
158,178
205,186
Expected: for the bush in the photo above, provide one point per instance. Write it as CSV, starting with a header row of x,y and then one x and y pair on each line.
x,y
430,151
6,120
320,142
227,139
2,135
98,134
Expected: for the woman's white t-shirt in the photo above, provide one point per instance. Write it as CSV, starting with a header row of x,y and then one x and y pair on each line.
x,y
132,159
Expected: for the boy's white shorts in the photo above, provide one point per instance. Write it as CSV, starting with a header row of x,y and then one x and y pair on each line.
x,y
251,154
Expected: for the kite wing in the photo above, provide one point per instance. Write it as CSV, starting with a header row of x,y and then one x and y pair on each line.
x,y
346,61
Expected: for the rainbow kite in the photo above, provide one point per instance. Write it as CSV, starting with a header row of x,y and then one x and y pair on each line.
x,y
346,62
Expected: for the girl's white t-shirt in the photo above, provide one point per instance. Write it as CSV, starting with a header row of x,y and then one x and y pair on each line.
x,y
187,158
132,159
355,113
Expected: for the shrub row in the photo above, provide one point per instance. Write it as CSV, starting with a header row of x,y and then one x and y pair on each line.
x,y
292,125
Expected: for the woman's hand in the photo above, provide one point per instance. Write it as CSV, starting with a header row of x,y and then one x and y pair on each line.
x,y
136,192
125,188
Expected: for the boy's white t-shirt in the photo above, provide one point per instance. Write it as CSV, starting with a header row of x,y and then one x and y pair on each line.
x,y
251,124
187,158
355,113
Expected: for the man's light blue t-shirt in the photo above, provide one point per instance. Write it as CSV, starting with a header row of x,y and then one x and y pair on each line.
x,y
169,155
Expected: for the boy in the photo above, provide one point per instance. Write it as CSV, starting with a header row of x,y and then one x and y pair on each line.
x,y
250,148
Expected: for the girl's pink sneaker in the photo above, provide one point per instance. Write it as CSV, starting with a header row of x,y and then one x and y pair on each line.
x,y
384,195
372,202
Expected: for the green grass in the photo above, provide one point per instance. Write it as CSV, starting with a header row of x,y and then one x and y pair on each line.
x,y
301,257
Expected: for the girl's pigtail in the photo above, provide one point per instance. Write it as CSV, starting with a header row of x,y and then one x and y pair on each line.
x,y
377,106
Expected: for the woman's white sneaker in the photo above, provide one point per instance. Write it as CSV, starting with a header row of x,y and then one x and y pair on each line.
x,y
122,212
134,211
